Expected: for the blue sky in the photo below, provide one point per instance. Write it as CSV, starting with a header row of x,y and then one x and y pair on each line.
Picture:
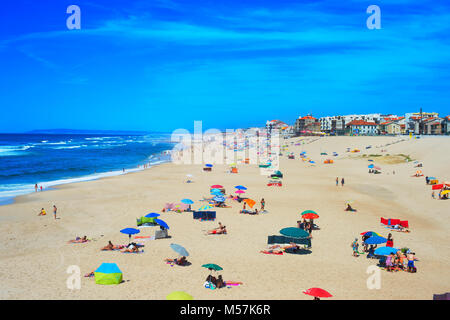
x,y
161,64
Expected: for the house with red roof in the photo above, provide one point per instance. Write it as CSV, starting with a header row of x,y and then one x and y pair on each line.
x,y
362,127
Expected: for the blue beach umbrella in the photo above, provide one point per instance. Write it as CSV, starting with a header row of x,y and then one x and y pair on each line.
x,y
371,166
217,193
162,223
152,215
130,231
376,240
179,249
219,199
187,201
384,251
208,165
205,208
241,188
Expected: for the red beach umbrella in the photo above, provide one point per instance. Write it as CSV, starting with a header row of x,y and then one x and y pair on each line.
x,y
317,292
437,186
216,186
239,191
310,215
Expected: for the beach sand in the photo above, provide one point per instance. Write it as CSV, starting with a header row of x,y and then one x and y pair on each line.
x,y
34,254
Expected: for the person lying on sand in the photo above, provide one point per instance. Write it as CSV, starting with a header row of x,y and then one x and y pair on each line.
x,y
79,240
181,262
220,230
349,208
132,248
111,247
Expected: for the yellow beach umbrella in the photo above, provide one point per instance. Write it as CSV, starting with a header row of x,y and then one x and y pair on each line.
x,y
445,192
179,295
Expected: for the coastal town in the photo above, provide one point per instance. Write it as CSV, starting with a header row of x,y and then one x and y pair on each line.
x,y
415,123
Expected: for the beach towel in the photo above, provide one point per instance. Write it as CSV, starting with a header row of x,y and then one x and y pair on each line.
x,y
269,252
142,251
232,283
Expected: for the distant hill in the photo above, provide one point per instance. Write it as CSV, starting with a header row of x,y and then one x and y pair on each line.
x,y
75,131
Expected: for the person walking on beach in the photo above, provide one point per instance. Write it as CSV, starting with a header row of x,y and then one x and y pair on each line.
x,y
337,181
432,195
263,203
41,188
342,182
390,241
35,187
355,246
54,211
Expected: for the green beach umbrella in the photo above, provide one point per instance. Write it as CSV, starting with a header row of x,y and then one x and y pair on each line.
x,y
179,295
294,232
308,211
212,266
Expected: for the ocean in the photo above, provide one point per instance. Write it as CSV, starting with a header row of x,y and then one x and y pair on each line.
x,y
54,159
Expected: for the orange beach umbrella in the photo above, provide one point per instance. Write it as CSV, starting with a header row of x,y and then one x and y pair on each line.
x,y
250,202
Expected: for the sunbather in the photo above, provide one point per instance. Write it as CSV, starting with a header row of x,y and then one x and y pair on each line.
x,y
79,240
181,262
132,248
349,208
220,230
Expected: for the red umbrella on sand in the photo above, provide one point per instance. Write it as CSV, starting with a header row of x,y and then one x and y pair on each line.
x,y
216,186
317,292
239,191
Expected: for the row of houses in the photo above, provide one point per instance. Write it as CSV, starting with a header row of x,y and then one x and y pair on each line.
x,y
368,124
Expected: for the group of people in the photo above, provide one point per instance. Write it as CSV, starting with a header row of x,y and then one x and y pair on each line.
x,y
306,225
43,212
342,181
213,282
36,188
393,262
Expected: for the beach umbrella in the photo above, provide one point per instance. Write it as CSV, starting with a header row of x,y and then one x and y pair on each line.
x,y
219,199
371,166
294,232
445,192
370,234
179,249
216,186
385,251
162,223
217,193
376,240
208,165
370,160
130,231
205,208
308,211
179,295
437,186
187,201
239,191
212,266
108,273
431,178
215,189
152,215
250,202
310,215
240,187
317,292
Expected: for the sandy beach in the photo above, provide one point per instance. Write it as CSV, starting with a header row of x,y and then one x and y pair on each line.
x,y
35,255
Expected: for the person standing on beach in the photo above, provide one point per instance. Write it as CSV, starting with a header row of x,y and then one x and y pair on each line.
x,y
390,241
432,195
355,246
54,211
337,181
342,182
35,187
41,188
263,203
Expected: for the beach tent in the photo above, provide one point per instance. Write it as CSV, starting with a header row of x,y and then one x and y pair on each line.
x,y
250,202
393,222
108,273
179,295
